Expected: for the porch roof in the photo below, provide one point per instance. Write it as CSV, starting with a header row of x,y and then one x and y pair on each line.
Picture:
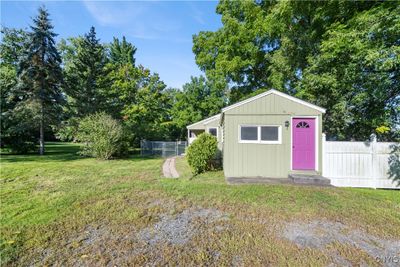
x,y
201,125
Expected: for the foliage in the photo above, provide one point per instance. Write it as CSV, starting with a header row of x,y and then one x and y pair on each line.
x,y
119,88
40,76
102,136
85,59
18,126
394,163
361,91
341,55
13,44
20,135
122,52
201,153
143,101
68,130
198,100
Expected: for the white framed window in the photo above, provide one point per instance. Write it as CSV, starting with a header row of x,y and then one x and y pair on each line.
x,y
260,134
213,131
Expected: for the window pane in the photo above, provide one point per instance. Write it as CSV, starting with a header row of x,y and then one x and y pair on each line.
x,y
248,133
269,133
212,131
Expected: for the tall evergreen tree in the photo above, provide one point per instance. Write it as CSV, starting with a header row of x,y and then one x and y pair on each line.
x,y
83,73
122,52
40,75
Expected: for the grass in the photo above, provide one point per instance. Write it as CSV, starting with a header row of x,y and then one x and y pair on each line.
x,y
49,204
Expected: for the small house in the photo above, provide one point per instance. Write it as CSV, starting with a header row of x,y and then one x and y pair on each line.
x,y
269,135
210,125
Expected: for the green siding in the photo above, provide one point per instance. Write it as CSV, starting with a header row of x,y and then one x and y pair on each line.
x,y
215,124
265,160
272,104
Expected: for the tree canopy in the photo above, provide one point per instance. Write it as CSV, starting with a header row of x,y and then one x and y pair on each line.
x,y
342,55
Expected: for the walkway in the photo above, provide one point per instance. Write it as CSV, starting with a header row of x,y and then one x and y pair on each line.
x,y
169,170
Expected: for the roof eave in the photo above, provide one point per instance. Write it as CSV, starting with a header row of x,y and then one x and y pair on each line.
x,y
273,91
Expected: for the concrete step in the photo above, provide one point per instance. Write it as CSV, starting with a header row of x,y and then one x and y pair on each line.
x,y
304,172
309,179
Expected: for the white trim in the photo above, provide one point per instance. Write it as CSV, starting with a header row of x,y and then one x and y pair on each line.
x,y
273,91
259,141
213,127
205,121
316,140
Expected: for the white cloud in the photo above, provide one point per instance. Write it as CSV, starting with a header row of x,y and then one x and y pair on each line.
x,y
143,20
197,14
113,13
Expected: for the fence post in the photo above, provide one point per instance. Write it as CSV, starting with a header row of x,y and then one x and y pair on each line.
x,y
374,160
323,154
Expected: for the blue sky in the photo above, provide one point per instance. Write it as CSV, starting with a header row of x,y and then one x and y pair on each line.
x,y
161,31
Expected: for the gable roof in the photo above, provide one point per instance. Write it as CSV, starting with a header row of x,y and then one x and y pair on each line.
x,y
273,91
205,121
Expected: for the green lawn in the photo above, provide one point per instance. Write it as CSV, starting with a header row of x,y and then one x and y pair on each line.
x,y
67,210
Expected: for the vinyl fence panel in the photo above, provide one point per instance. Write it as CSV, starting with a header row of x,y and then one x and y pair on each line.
x,y
358,164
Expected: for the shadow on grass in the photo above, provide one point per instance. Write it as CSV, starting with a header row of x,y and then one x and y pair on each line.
x,y
58,151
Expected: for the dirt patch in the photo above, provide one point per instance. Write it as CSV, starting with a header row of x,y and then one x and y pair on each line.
x,y
123,244
178,230
320,234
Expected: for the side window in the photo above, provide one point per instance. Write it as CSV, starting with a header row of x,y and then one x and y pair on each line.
x,y
248,133
269,133
261,134
213,131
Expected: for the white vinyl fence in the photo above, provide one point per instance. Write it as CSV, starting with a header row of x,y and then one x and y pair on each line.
x,y
357,164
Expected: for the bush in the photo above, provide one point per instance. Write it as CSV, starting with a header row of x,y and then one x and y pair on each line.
x,y
201,153
102,136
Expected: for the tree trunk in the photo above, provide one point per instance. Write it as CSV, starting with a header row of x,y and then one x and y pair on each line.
x,y
41,138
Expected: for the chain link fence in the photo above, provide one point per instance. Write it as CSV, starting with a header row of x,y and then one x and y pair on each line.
x,y
163,149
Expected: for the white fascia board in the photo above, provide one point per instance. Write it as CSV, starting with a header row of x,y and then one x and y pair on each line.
x,y
205,121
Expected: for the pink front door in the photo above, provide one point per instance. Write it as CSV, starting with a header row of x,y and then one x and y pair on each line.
x,y
303,144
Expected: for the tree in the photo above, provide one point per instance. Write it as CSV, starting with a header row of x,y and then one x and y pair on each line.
x,y
266,43
40,75
12,47
198,100
84,68
281,44
361,91
122,52
146,106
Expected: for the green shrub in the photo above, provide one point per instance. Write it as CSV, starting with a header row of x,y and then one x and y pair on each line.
x,y
202,152
102,137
